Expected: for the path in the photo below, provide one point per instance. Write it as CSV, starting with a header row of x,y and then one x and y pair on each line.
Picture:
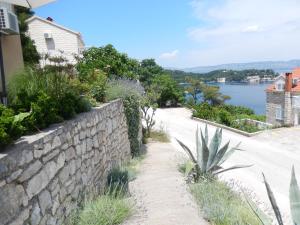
x,y
272,152
161,192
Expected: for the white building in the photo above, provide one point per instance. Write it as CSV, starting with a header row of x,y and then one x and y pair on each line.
x,y
221,79
253,79
55,40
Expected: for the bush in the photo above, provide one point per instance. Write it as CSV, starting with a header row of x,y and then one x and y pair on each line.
x,y
169,92
205,111
225,117
131,93
228,115
47,97
118,180
11,126
98,88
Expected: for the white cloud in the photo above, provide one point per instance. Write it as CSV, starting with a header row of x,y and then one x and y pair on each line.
x,y
245,30
250,29
169,55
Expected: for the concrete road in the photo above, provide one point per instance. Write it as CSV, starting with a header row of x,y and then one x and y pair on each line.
x,y
272,152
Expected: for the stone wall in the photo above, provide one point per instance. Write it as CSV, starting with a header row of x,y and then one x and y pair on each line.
x,y
44,176
273,100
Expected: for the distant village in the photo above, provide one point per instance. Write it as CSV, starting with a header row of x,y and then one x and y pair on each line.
x,y
251,79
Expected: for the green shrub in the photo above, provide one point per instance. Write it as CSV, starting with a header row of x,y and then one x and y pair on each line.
x,y
11,126
225,117
40,98
205,111
131,93
98,88
235,110
117,181
168,90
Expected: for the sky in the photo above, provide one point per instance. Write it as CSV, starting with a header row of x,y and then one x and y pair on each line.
x,y
186,33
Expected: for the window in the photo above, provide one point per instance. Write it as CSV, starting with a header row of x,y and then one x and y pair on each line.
x,y
278,112
279,87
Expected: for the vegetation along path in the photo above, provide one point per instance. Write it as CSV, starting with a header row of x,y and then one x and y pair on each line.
x,y
160,191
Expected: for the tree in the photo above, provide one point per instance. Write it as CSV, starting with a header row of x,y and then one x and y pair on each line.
x,y
30,53
168,90
109,60
195,87
212,95
148,70
149,106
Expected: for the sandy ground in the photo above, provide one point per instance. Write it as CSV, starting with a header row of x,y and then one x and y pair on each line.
x,y
272,152
160,191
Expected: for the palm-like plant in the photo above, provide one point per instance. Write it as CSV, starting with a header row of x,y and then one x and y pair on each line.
x,y
294,200
210,156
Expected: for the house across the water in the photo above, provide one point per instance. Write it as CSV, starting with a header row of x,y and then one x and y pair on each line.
x,y
283,100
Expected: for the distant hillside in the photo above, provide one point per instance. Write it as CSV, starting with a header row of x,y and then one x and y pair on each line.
x,y
277,66
230,75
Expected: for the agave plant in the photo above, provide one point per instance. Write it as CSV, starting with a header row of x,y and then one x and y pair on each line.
x,y
210,156
294,200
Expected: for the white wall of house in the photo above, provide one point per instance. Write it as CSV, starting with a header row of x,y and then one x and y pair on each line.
x,y
63,42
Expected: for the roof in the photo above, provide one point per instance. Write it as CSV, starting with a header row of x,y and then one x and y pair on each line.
x,y
295,75
54,24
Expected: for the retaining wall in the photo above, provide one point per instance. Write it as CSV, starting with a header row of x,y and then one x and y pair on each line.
x,y
44,176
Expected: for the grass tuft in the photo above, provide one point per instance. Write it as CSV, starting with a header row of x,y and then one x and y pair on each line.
x,y
159,136
105,210
221,205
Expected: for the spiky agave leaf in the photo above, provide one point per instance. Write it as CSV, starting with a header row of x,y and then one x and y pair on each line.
x,y
231,168
295,199
199,148
273,202
206,135
188,151
205,155
229,153
219,156
213,147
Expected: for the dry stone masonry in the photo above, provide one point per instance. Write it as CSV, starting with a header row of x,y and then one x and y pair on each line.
x,y
44,176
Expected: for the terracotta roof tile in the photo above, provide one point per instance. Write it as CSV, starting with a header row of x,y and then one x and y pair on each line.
x,y
296,73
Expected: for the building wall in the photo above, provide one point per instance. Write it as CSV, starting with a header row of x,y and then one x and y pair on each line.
x,y
43,177
63,40
288,110
12,55
273,100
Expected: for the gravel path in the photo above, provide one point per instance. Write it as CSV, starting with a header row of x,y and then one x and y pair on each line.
x,y
160,191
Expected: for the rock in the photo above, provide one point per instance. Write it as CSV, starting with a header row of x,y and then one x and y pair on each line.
x,y
45,201
70,154
64,175
51,221
41,180
14,176
30,171
51,155
56,142
35,215
11,200
24,215
55,205
89,144
72,167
